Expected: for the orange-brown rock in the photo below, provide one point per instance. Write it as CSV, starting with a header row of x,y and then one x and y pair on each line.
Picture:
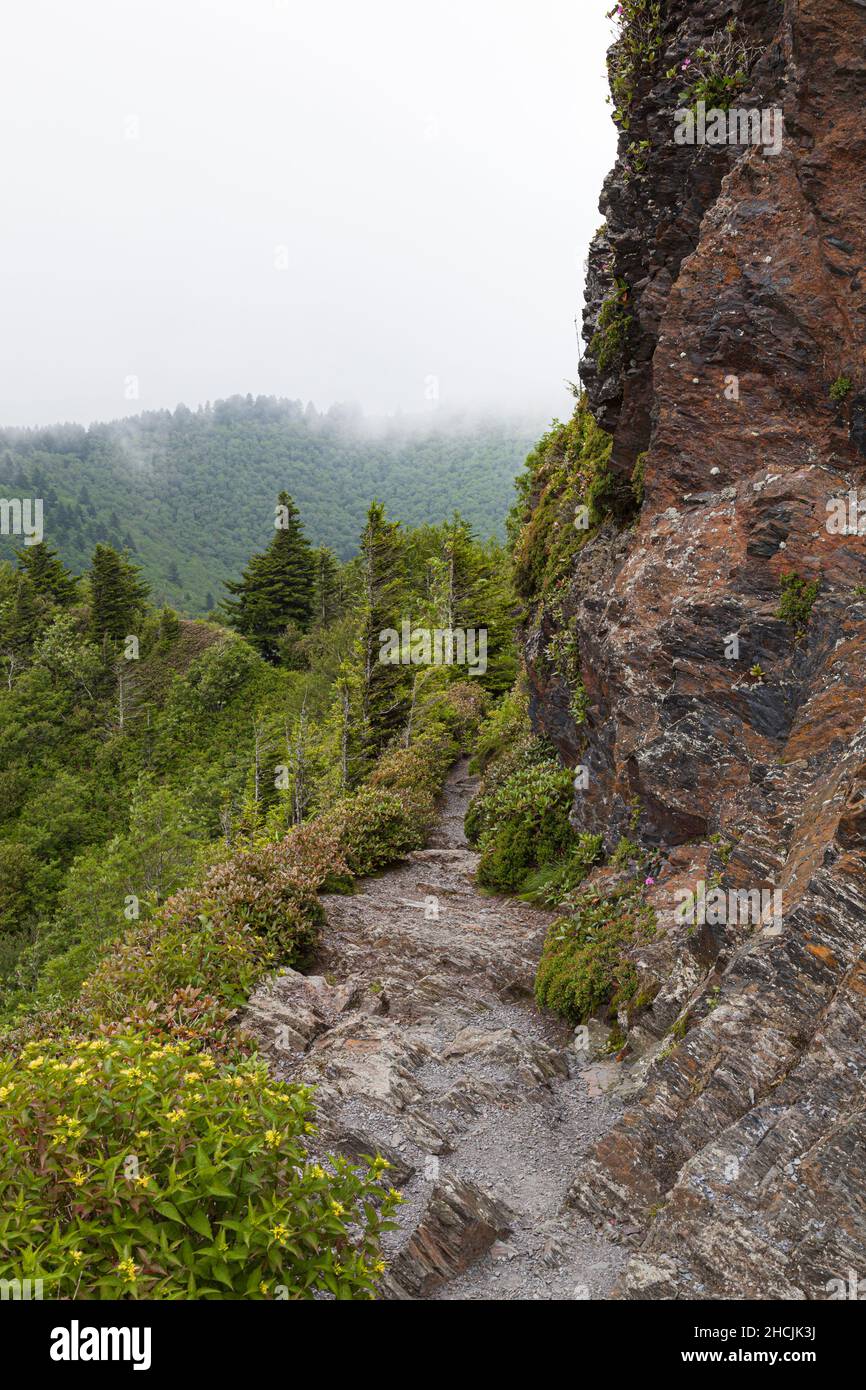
x,y
742,1158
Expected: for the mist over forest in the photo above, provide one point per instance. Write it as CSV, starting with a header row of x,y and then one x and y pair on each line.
x,y
189,493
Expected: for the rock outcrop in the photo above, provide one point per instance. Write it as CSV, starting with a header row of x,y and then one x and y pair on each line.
x,y
735,720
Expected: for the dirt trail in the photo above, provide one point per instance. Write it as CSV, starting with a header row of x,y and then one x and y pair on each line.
x,y
424,1044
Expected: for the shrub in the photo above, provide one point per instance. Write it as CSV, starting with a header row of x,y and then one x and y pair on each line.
x,y
610,340
841,389
522,824
583,966
373,828
798,599
718,69
201,954
134,1171
507,723
553,885
636,50
545,539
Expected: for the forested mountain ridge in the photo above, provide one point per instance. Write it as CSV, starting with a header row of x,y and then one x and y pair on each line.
x,y
189,493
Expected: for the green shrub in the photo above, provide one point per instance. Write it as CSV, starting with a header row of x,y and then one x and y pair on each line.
x,y
373,828
841,389
717,71
609,342
544,537
583,966
507,724
798,599
638,484
184,970
635,52
133,1171
522,823
555,884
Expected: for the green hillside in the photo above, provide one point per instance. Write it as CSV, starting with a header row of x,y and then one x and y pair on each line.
x,y
191,493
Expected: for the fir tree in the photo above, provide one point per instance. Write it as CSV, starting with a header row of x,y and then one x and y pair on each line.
x,y
382,684
117,594
276,592
328,598
23,621
48,576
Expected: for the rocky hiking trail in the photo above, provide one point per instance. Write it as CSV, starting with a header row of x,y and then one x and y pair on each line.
x,y
422,1039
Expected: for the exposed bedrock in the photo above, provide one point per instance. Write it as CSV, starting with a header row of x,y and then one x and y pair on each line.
x,y
741,1160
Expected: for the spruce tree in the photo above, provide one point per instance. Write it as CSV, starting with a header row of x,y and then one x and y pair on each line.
x,y
48,576
474,592
328,599
383,685
23,620
276,590
117,594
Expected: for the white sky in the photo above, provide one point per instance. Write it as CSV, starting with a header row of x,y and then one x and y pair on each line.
x,y
427,173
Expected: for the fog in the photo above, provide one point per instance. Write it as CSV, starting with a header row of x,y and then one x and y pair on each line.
x,y
386,203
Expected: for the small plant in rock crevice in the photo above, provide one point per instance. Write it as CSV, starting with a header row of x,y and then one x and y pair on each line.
x,y
634,54
841,389
798,600
584,966
609,343
718,69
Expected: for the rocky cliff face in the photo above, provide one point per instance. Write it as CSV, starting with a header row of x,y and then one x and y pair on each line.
x,y
732,353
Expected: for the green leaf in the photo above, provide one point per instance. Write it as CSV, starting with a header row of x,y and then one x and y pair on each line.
x,y
198,1221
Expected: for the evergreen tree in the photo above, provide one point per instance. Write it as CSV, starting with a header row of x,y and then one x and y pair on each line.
x,y
22,622
383,684
328,598
48,576
276,590
117,594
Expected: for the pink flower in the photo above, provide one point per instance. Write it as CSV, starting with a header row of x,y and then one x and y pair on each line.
x,y
687,64
649,882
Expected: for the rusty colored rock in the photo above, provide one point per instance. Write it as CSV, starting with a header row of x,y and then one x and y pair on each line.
x,y
739,1164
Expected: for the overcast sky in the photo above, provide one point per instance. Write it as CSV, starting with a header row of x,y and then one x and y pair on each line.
x,y
330,200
